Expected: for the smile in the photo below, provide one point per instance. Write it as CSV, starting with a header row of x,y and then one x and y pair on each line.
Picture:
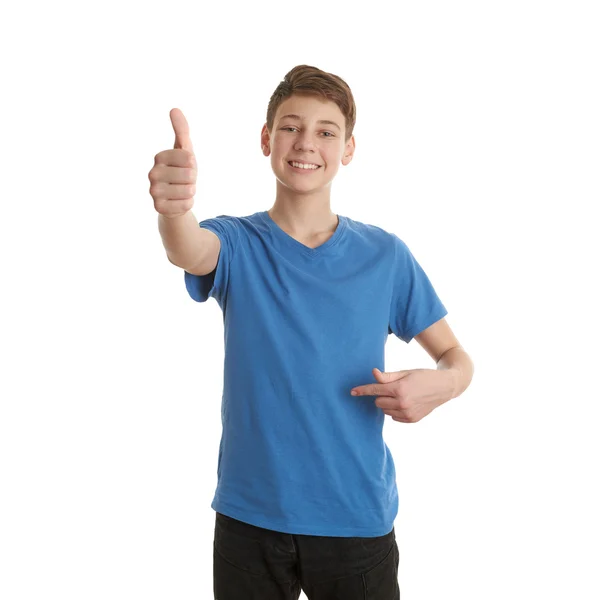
x,y
295,166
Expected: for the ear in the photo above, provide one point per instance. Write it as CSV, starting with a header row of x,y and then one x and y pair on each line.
x,y
349,151
265,141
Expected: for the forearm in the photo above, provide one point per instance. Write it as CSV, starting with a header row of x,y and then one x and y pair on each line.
x,y
459,364
182,238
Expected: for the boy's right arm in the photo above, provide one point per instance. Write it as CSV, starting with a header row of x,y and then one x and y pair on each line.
x,y
172,187
193,248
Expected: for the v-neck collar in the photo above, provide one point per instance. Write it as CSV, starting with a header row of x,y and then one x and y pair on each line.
x,y
294,244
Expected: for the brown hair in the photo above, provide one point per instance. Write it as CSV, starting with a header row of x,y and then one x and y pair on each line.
x,y
310,81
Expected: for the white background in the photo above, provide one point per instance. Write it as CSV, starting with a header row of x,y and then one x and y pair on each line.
x,y
477,143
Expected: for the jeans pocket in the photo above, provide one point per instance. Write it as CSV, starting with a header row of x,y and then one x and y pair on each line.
x,y
241,551
381,582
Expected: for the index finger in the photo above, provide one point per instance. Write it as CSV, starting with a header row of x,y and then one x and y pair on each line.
x,y
371,389
182,130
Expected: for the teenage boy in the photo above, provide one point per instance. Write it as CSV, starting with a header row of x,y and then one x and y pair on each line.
x,y
306,495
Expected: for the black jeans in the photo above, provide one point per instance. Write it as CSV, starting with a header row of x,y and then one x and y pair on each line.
x,y
252,563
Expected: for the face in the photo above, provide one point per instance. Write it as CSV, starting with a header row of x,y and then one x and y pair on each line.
x,y
306,139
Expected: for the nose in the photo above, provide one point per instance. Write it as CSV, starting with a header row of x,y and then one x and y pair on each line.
x,y
304,142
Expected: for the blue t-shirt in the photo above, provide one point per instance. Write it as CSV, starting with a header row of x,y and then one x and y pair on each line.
x,y
303,326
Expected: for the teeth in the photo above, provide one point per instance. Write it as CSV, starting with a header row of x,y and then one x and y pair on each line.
x,y
302,166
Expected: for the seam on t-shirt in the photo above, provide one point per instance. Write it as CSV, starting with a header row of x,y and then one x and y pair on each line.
x,y
237,231
310,252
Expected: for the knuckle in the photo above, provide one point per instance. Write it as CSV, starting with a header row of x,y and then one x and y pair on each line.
x,y
155,191
404,404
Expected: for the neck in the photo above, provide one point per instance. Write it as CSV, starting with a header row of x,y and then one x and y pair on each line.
x,y
303,218
303,214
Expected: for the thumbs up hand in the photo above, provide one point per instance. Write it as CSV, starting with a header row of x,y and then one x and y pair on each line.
x,y
173,176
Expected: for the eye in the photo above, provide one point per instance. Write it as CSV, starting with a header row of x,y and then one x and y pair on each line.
x,y
329,132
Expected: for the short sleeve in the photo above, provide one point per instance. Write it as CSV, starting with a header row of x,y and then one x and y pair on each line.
x,y
215,283
415,304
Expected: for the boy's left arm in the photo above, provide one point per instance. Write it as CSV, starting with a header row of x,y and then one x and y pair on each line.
x,y
441,344
408,396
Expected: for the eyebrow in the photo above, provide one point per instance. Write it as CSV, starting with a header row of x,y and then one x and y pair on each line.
x,y
298,118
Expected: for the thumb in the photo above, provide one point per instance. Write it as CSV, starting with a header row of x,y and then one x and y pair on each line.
x,y
387,377
182,130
